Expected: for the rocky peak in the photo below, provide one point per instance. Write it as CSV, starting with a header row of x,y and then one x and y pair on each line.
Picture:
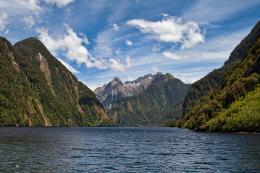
x,y
142,78
116,89
115,84
116,81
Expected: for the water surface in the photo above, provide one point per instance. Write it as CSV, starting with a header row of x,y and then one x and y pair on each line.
x,y
126,150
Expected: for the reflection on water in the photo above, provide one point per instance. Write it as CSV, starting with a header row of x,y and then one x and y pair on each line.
x,y
126,150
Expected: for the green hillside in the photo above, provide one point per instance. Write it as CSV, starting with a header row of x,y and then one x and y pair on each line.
x,y
227,99
37,90
242,115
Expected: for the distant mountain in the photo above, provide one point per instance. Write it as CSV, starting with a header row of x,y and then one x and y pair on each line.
x,y
110,93
37,90
228,99
148,100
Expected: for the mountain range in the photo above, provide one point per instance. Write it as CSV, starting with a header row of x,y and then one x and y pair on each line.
x,y
37,90
148,100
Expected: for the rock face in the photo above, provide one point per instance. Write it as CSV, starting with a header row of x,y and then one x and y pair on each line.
x,y
111,93
148,100
37,90
209,101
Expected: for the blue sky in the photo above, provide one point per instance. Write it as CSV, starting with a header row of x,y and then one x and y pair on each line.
x,y
100,39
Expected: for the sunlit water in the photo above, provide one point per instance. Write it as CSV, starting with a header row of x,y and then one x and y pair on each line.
x,y
126,150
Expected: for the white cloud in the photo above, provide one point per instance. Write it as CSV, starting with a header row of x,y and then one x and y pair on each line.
x,y
129,43
3,21
72,45
16,11
14,7
29,21
171,30
69,67
218,48
59,3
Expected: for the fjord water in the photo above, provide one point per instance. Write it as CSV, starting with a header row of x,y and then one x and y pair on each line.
x,y
126,150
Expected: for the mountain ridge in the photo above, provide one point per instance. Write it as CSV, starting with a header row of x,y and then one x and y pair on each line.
x,y
43,92
213,96
147,100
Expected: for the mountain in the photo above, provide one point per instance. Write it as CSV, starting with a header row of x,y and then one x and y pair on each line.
x,y
228,98
37,90
111,93
148,100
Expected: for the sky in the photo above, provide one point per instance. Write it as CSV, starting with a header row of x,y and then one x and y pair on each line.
x,y
100,39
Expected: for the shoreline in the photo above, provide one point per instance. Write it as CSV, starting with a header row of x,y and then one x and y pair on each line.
x,y
219,132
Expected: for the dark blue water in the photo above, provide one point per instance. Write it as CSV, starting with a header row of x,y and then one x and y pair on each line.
x,y
126,150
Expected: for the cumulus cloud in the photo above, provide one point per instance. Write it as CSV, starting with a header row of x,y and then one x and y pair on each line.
x,y
129,43
59,3
171,30
72,45
69,67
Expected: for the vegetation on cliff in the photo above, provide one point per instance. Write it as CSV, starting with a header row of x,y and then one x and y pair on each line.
x,y
227,99
37,90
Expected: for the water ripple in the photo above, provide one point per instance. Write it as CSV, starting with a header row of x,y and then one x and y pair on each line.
x,y
126,150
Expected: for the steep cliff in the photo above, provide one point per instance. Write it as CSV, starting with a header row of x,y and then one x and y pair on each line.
x,y
216,102
37,90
